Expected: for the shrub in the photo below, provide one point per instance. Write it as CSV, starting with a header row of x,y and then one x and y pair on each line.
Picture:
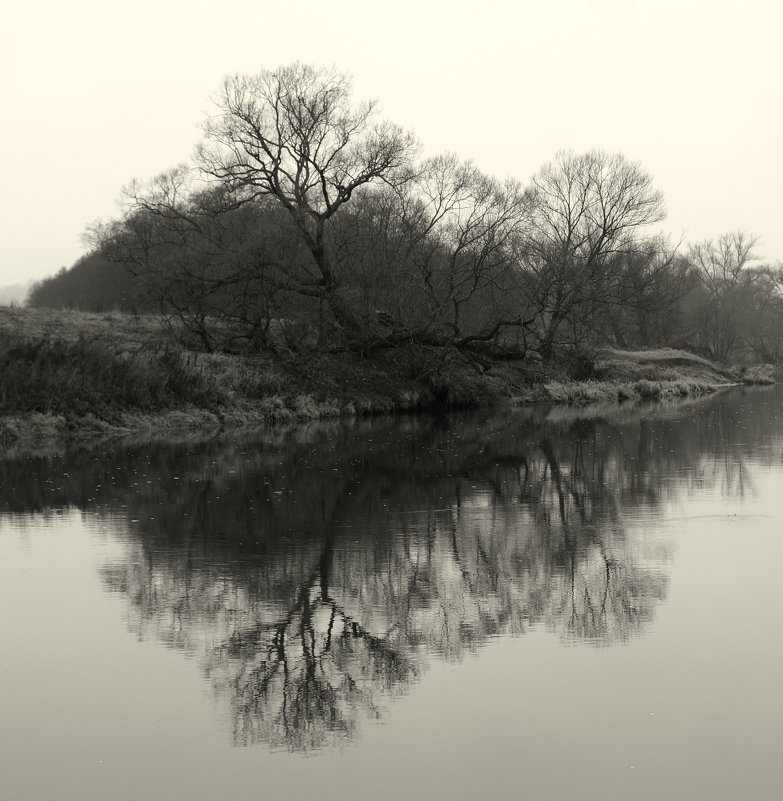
x,y
758,374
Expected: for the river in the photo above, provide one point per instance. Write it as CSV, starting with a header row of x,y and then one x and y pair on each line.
x,y
509,604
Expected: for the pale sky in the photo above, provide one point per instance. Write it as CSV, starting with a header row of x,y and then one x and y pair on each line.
x,y
96,93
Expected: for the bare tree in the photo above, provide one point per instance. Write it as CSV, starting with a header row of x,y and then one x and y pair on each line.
x,y
764,334
215,262
435,255
293,134
647,287
728,295
462,257
588,209
720,262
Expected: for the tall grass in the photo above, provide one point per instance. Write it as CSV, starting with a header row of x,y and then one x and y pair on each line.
x,y
757,374
584,392
87,377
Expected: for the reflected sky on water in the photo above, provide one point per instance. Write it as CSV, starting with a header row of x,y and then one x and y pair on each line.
x,y
520,603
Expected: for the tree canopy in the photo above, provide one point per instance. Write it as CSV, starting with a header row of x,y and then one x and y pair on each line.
x,y
304,211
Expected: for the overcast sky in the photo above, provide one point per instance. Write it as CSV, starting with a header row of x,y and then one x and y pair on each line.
x,y
95,93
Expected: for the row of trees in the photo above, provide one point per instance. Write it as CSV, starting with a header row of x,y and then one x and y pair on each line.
x,y
301,209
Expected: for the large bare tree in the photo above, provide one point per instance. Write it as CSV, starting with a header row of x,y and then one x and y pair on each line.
x,y
295,135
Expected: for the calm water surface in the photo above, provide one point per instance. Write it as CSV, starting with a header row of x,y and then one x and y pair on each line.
x,y
518,604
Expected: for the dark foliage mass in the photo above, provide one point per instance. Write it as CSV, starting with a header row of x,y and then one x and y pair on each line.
x,y
302,213
86,377
93,283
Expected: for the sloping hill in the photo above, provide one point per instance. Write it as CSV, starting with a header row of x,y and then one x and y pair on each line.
x,y
661,364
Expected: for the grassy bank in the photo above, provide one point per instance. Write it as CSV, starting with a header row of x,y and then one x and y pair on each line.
x,y
70,375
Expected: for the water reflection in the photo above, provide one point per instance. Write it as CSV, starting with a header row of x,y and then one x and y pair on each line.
x,y
313,572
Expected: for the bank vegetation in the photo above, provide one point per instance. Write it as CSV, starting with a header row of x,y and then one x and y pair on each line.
x,y
73,375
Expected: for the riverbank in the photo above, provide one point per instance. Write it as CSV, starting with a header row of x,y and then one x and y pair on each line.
x,y
73,376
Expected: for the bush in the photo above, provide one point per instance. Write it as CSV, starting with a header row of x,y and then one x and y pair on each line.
x,y
758,374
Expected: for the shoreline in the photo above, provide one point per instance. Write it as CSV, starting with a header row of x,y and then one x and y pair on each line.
x,y
75,377
37,430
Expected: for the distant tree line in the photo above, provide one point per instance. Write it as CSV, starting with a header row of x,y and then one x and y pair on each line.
x,y
93,283
304,220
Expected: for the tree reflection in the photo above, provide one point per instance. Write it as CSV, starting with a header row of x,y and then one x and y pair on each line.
x,y
440,539
302,680
314,572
